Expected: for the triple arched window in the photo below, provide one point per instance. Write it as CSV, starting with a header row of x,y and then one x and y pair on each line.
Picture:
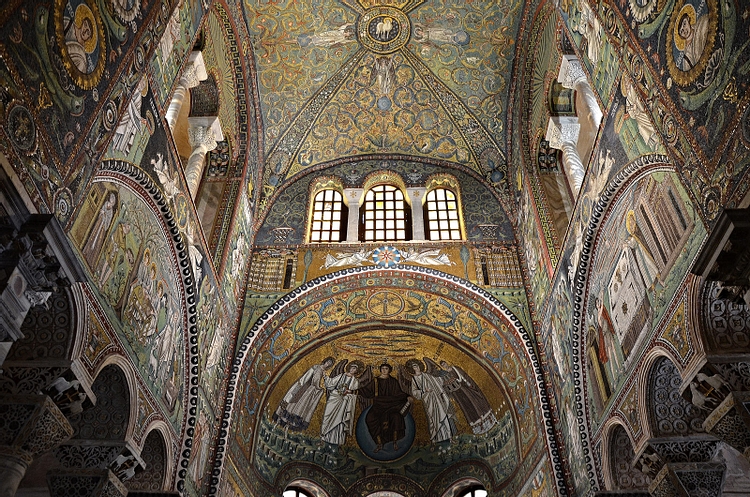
x,y
385,211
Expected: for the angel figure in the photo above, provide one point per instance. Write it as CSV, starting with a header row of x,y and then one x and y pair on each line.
x,y
389,401
469,398
338,417
298,405
427,385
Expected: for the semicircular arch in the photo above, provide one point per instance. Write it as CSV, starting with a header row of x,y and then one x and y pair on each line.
x,y
343,300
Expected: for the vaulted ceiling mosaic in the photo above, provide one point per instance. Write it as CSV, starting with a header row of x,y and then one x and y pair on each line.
x,y
416,78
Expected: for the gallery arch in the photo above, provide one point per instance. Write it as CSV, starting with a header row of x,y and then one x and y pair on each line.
x,y
437,397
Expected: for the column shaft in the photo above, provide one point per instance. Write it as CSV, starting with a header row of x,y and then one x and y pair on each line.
x,y
176,104
12,471
573,165
194,169
417,213
592,106
352,226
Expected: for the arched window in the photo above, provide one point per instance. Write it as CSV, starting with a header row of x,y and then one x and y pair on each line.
x,y
385,216
441,215
295,492
473,491
328,217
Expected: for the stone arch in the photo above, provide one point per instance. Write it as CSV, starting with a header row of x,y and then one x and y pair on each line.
x,y
138,181
131,384
155,455
724,320
460,486
670,414
308,486
643,392
48,330
111,418
204,98
265,354
47,349
619,456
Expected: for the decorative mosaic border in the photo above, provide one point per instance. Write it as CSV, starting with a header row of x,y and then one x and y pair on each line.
x,y
479,293
156,200
599,214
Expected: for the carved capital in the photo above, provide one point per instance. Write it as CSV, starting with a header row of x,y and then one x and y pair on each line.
x,y
90,454
204,133
201,138
562,130
32,424
697,478
195,70
35,260
694,448
189,78
731,421
726,255
571,72
282,234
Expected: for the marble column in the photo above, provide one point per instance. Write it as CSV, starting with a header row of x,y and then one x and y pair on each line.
x,y
192,75
562,134
203,133
94,468
353,196
417,213
573,76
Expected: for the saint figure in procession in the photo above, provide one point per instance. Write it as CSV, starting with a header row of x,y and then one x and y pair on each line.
x,y
299,403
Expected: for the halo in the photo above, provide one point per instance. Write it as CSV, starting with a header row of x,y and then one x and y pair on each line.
x,y
415,361
688,10
360,366
630,222
84,12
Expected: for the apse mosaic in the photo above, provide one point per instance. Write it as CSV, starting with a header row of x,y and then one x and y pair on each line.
x,y
327,404
395,397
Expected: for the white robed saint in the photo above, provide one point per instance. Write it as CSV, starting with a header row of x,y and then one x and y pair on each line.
x,y
437,405
338,417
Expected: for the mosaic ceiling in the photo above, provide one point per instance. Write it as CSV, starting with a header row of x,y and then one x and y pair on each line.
x,y
421,78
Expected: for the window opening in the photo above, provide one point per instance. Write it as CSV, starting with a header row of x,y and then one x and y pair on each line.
x,y
441,208
327,216
295,492
473,492
288,274
385,217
